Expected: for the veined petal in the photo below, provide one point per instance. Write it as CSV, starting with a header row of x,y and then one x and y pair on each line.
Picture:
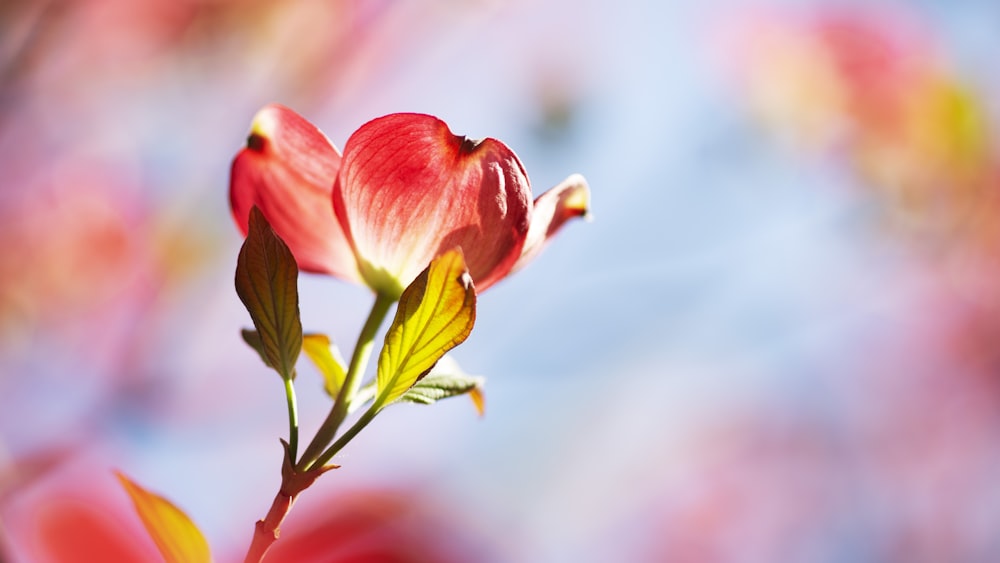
x,y
409,190
287,170
569,199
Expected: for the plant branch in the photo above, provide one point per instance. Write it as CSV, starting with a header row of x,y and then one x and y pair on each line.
x,y
267,530
342,405
293,419
347,436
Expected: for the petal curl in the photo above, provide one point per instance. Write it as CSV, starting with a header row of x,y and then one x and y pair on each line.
x,y
409,189
569,199
287,170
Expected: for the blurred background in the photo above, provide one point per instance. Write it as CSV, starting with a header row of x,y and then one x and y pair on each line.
x,y
779,339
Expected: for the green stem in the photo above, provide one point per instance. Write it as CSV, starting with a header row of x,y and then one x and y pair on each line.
x,y
347,436
293,419
352,381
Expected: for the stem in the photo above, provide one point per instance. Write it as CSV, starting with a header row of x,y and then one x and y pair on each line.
x,y
347,436
293,420
362,351
265,533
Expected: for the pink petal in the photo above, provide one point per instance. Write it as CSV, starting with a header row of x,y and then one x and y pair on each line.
x,y
569,199
287,170
409,190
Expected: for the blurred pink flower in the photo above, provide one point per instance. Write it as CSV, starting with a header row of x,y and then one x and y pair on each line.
x,y
377,525
74,512
872,86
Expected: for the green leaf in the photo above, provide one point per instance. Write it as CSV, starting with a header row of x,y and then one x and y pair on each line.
x,y
326,357
445,380
174,534
266,278
435,314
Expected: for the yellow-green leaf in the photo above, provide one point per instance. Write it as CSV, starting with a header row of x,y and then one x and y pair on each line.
x,y
175,535
326,357
435,314
266,278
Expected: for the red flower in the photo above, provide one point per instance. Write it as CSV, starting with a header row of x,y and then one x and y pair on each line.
x,y
405,190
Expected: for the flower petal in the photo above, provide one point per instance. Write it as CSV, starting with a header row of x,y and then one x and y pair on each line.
x,y
287,170
569,199
409,190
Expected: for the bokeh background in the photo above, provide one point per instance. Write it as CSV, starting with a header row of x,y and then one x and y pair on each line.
x,y
779,339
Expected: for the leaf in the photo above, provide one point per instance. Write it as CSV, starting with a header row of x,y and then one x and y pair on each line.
x,y
478,400
252,338
175,535
445,380
433,388
266,277
326,357
435,314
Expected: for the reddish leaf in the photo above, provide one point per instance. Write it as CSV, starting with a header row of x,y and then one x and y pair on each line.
x,y
266,278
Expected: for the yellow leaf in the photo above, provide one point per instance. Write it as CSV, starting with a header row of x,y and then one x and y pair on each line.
x,y
326,357
175,535
435,314
478,400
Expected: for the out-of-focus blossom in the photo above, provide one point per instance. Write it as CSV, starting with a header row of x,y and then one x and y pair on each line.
x,y
906,481
65,41
405,190
872,88
75,513
377,525
820,75
911,435
90,260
